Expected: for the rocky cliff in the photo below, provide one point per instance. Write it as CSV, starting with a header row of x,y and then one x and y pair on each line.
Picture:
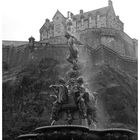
x,y
117,99
27,104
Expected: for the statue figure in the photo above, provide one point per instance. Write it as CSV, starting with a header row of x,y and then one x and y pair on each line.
x,y
61,92
91,109
80,97
70,84
73,56
71,95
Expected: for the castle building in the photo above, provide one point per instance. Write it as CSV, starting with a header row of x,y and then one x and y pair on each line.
x,y
103,21
100,31
101,18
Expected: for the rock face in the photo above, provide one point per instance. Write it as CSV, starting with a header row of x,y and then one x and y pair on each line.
x,y
28,103
117,98
26,98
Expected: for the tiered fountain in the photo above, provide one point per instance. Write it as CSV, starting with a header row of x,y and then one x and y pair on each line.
x,y
72,117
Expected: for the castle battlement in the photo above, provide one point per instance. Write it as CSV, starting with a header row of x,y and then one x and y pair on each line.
x,y
95,29
103,22
100,18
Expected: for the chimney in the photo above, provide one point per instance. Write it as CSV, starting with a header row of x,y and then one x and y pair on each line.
x,y
135,44
68,14
110,3
117,17
47,20
71,14
81,11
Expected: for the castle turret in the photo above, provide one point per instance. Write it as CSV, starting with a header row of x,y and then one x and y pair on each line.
x,y
135,44
81,11
68,14
47,20
31,43
110,3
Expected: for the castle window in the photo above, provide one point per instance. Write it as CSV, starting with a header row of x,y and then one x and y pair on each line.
x,y
98,17
82,22
90,20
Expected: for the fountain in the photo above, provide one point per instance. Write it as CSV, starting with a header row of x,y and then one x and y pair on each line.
x,y
72,116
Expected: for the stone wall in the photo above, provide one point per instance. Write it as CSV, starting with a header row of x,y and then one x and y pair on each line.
x,y
113,20
16,58
118,45
101,22
114,39
125,64
47,30
91,60
59,25
92,22
135,44
58,40
58,50
90,38
97,21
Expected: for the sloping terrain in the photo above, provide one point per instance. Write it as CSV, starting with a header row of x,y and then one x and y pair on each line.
x,y
117,98
27,104
26,100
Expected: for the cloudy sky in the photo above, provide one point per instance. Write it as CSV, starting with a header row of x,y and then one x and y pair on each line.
x,y
23,18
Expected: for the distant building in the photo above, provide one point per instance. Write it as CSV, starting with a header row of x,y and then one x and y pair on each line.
x,y
100,31
103,20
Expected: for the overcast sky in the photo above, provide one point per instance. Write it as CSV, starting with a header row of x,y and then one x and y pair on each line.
x,y
23,18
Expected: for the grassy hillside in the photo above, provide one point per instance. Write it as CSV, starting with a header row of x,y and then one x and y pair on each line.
x,y
27,104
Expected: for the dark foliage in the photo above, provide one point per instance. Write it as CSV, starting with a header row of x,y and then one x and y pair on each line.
x,y
26,102
119,97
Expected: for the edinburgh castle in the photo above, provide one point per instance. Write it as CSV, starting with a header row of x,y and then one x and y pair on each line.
x,y
95,29
108,61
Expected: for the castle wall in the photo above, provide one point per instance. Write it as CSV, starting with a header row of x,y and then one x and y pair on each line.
x,y
59,25
58,40
44,35
119,45
17,58
125,37
86,24
114,39
91,58
113,21
91,61
92,22
91,39
50,33
135,44
74,26
5,52
101,21
113,44
119,62
79,26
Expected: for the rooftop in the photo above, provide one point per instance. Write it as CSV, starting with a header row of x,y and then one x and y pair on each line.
x,y
100,11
